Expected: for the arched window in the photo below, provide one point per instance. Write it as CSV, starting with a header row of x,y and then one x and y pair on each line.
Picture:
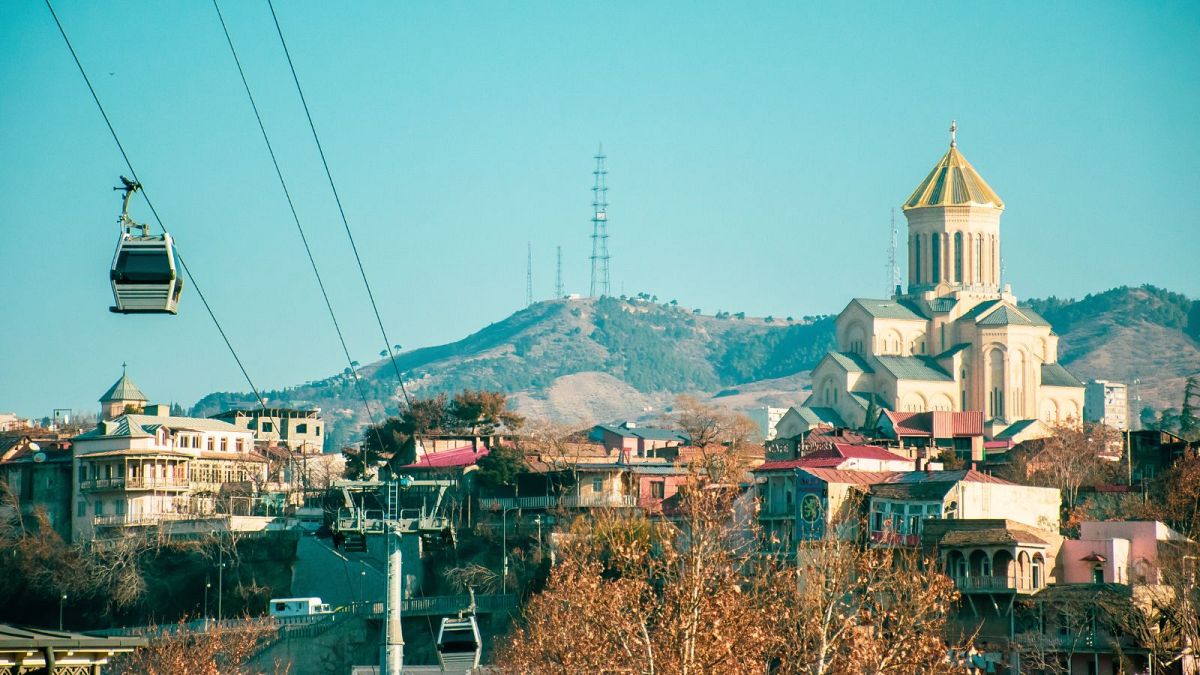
x,y
958,257
978,258
996,375
936,258
1036,571
916,270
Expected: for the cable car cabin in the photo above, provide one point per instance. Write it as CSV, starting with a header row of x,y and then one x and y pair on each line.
x,y
145,277
458,644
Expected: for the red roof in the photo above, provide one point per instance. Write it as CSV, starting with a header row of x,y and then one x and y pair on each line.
x,y
937,423
446,459
832,456
851,477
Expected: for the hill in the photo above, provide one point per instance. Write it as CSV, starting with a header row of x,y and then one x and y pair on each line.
x,y
587,360
1125,334
578,361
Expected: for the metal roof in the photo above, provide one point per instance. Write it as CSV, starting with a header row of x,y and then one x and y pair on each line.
x,y
1015,428
123,390
953,350
890,309
953,182
914,368
23,639
851,362
1054,375
943,304
820,415
143,426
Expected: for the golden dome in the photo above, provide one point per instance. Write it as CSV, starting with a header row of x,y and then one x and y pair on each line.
x,y
953,182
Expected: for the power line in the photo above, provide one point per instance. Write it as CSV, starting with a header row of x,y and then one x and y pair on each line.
x,y
342,212
153,210
296,218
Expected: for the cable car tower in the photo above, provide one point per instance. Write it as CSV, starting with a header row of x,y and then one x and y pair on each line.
x,y
145,276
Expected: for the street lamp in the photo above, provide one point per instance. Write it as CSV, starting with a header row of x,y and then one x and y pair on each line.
x,y
61,599
504,545
207,585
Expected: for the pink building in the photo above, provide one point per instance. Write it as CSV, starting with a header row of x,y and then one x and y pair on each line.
x,y
1118,552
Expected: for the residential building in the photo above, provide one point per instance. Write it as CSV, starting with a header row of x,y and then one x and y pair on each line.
x,y
765,420
1154,452
803,419
299,430
10,421
900,506
1106,403
150,468
37,471
628,440
993,555
1116,552
957,340
936,430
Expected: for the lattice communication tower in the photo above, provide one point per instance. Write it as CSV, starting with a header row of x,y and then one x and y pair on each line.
x,y
600,257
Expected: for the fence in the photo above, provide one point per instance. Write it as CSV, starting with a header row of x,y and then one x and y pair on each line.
x,y
555,501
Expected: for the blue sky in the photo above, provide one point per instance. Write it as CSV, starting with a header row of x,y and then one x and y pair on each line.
x,y
755,151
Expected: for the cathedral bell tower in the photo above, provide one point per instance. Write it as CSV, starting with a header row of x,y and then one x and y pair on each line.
x,y
953,230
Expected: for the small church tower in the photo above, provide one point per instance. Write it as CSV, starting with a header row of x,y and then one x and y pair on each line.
x,y
123,394
953,229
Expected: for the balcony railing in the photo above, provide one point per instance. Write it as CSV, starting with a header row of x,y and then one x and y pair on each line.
x,y
121,519
150,483
102,484
551,501
992,584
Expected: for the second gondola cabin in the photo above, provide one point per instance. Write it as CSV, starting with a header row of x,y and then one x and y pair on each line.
x,y
145,275
458,644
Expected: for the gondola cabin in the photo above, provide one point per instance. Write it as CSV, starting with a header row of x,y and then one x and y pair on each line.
x,y
458,644
145,275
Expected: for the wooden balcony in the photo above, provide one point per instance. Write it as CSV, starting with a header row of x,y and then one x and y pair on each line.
x,y
993,584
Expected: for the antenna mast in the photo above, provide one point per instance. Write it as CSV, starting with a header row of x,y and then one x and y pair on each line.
x,y
893,268
558,287
600,257
528,273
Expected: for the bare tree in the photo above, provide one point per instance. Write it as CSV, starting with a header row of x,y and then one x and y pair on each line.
x,y
219,650
1071,457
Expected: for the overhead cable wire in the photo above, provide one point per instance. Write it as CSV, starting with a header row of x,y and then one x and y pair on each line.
x,y
341,211
299,228
133,173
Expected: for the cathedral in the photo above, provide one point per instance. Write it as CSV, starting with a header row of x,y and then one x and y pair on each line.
x,y
956,341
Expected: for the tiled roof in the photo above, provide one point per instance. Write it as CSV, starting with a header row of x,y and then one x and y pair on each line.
x,y
865,398
979,309
937,423
930,484
454,457
1054,375
953,350
848,476
1015,428
914,368
123,390
1034,318
820,415
1004,316
646,433
831,456
853,363
944,304
999,535
141,426
953,182
889,309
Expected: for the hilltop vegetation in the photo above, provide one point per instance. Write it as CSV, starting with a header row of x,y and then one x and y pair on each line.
x,y
599,359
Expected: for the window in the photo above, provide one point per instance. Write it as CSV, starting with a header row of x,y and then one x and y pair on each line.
x,y
936,258
916,271
99,507
224,444
978,258
958,257
302,428
597,485
81,509
239,443
120,505
211,443
317,431
83,473
658,489
267,427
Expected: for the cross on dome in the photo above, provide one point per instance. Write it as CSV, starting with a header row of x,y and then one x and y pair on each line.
x,y
953,130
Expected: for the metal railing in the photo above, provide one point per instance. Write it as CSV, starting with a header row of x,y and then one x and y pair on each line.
x,y
143,482
149,518
992,583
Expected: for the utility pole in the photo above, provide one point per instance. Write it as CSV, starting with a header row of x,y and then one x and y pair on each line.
x,y
600,257
558,286
528,273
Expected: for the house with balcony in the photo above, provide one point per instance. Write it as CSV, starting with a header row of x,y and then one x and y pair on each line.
x,y
300,430
993,556
935,431
627,440
150,468
900,506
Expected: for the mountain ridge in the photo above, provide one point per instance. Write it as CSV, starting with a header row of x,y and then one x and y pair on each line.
x,y
581,361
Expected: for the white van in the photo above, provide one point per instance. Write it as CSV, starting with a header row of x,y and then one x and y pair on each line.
x,y
288,607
